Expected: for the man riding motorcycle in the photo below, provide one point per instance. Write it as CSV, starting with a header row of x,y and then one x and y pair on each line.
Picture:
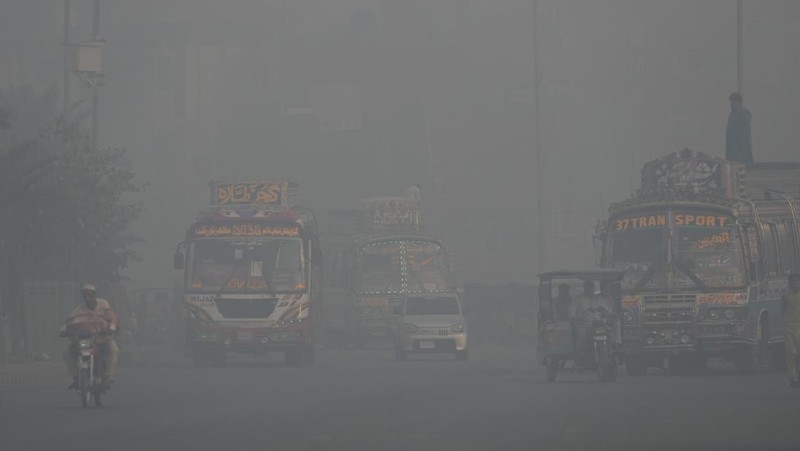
x,y
93,316
588,307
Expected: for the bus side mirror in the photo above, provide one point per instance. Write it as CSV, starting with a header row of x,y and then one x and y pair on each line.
x,y
177,260
598,240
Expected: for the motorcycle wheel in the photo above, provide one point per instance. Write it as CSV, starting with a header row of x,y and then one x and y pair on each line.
x,y
601,361
84,387
98,402
551,369
612,370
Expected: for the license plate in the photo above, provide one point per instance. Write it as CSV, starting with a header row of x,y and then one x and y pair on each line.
x,y
427,344
244,336
600,337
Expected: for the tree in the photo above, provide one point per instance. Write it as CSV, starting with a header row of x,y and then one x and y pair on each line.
x,y
65,209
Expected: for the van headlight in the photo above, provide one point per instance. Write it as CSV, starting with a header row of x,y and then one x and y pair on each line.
x,y
457,328
410,328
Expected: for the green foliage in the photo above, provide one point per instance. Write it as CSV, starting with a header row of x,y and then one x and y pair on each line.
x,y
65,209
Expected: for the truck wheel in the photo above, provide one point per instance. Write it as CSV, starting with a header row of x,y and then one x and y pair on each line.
x,y
635,366
309,354
777,358
294,356
218,357
200,357
746,360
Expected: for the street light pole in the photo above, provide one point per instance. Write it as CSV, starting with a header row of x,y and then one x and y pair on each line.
x,y
95,93
540,246
739,52
67,55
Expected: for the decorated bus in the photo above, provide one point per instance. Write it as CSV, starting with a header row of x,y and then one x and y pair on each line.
x,y
252,267
375,257
705,245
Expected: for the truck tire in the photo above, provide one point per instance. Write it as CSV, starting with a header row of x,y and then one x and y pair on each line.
x,y
200,357
635,366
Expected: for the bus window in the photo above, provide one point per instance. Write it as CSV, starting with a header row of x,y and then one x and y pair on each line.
x,y
791,258
753,254
770,253
785,253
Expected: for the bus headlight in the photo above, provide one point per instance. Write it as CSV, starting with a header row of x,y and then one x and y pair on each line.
x,y
730,314
627,316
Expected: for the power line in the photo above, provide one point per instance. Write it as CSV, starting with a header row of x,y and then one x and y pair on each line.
x,y
772,21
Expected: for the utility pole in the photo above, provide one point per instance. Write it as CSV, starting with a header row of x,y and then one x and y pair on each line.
x,y
540,242
67,55
739,52
95,93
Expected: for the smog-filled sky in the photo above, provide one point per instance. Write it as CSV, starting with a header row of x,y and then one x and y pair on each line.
x,y
533,137
358,98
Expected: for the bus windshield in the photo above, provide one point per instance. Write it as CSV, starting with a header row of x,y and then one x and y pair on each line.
x,y
677,250
642,254
709,257
267,265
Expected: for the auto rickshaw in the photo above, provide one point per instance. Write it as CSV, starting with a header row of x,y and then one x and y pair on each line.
x,y
583,330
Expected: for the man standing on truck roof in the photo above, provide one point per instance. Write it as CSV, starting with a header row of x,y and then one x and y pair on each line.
x,y
738,142
791,326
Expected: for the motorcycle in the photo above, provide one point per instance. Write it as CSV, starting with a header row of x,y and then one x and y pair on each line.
x,y
604,356
91,366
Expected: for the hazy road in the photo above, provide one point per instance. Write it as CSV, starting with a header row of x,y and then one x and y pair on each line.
x,y
353,400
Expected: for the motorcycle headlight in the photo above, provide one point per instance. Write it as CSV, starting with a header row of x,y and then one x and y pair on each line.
x,y
730,313
457,328
713,314
84,344
411,329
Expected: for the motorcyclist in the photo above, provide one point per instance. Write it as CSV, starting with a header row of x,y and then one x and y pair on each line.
x,y
94,315
588,306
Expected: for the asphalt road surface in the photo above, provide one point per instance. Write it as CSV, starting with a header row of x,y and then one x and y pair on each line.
x,y
364,400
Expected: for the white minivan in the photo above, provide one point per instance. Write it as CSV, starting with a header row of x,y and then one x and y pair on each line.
x,y
431,323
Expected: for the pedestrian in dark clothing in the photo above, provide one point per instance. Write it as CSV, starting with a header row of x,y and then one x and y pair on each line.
x,y
738,142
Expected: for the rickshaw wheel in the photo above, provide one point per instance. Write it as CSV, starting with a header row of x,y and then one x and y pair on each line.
x,y
612,370
552,369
